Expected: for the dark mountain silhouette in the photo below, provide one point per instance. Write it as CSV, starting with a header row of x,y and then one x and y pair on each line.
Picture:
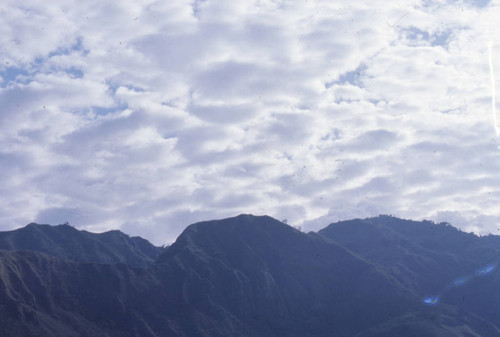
x,y
243,276
66,242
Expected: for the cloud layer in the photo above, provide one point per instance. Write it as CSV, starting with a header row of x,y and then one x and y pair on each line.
x,y
150,115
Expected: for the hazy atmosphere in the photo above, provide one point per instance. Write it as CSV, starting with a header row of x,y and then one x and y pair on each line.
x,y
146,116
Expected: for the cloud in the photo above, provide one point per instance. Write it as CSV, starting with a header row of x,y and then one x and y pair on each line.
x,y
147,116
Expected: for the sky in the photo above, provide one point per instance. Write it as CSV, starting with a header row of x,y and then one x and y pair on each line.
x,y
147,116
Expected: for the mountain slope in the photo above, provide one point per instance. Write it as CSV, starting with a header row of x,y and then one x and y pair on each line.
x,y
66,242
434,322
44,296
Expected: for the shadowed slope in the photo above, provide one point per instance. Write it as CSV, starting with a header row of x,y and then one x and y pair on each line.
x,y
44,296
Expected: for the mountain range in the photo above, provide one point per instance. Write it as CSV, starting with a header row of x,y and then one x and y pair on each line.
x,y
252,276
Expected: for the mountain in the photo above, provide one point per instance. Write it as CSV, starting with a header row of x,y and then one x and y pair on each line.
x,y
430,259
242,276
273,278
66,242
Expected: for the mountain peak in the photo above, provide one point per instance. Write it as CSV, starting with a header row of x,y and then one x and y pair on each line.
x,y
244,229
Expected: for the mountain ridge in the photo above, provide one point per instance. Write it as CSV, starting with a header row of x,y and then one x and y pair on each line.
x,y
250,276
66,242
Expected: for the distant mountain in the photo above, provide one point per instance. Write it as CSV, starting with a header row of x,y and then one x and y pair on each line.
x,y
66,242
250,276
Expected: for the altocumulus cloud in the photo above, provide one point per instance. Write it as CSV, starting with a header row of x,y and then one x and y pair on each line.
x,y
150,115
